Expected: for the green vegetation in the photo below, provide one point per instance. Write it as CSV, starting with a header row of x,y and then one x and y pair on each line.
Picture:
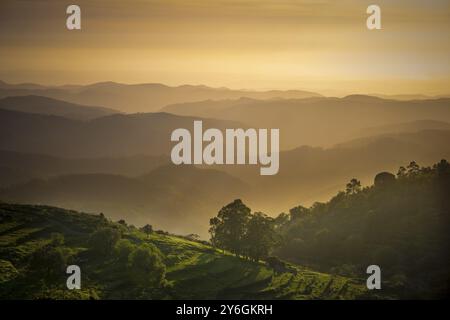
x,y
401,224
245,234
126,263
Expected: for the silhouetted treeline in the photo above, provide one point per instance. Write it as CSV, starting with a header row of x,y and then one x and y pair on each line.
x,y
245,234
401,223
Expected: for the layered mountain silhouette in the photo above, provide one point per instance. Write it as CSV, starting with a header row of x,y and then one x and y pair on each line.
x,y
318,121
168,192
48,106
95,159
111,136
16,167
412,126
180,198
147,97
308,174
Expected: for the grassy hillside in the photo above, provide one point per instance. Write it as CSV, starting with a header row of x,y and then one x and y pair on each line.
x,y
193,270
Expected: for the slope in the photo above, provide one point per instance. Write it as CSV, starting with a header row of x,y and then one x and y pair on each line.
x,y
194,270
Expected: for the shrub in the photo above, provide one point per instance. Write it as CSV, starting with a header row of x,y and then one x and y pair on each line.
x,y
146,264
104,240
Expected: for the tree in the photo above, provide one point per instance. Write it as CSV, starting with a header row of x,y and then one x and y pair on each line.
x,y
146,265
383,179
104,240
401,173
353,187
442,168
260,236
228,229
281,220
147,229
413,169
217,235
298,212
49,260
123,249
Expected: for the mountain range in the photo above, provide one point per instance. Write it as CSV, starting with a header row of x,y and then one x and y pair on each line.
x,y
48,106
317,121
147,97
110,136
181,199
101,160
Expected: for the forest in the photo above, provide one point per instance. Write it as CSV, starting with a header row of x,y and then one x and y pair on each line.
x,y
400,223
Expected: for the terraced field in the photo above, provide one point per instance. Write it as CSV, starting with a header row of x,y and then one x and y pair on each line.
x,y
194,270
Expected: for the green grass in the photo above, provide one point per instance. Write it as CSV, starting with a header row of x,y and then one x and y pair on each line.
x,y
194,270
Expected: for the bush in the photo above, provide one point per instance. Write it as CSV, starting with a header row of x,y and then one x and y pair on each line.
x,y
104,240
49,261
123,249
146,264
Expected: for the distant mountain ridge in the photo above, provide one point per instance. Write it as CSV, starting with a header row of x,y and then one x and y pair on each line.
x,y
412,126
16,167
116,135
318,121
181,198
49,106
147,97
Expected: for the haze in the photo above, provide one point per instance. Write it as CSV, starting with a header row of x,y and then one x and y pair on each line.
x,y
322,46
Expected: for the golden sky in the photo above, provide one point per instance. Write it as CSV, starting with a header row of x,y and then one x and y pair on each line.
x,y
318,45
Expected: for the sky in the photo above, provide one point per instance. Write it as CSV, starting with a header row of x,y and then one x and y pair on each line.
x,y
317,45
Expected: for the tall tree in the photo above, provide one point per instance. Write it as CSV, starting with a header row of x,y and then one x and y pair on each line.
x,y
260,236
228,229
354,186
147,229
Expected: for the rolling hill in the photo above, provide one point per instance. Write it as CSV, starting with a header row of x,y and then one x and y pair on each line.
x,y
110,136
318,121
180,199
403,127
193,270
147,97
48,106
308,174
31,166
400,224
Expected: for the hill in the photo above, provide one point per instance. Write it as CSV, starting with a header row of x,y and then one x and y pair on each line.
x,y
192,270
400,223
147,97
115,135
309,174
180,199
48,106
318,121
306,175
40,166
413,126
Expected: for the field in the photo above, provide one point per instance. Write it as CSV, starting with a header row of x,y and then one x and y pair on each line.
x,y
194,270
